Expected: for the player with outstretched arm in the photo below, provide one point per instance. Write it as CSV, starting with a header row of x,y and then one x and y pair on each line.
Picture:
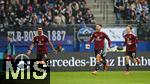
x,y
99,38
41,41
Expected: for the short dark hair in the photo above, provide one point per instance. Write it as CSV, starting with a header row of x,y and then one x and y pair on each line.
x,y
130,27
39,26
99,25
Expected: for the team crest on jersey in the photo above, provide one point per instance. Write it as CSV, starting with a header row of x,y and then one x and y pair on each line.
x,y
98,38
130,36
42,39
101,36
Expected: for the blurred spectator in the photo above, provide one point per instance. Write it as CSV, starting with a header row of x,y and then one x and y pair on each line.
x,y
143,11
135,10
24,3
75,8
60,3
59,19
138,10
49,16
119,7
34,19
130,12
2,14
131,2
143,17
41,2
70,19
52,3
30,9
89,18
45,21
67,1
13,1
68,10
145,6
79,18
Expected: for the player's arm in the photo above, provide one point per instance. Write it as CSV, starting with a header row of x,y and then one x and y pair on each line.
x,y
135,41
31,47
51,45
125,42
109,41
90,40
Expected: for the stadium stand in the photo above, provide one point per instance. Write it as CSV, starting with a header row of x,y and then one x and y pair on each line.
x,y
132,11
72,12
46,12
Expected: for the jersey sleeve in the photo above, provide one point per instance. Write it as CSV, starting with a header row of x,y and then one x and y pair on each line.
x,y
91,38
46,38
135,40
34,40
109,41
125,42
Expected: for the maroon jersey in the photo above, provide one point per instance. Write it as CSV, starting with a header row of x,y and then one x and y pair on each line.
x,y
130,42
99,38
41,42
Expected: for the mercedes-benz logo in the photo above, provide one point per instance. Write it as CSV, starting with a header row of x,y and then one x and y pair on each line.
x,y
23,62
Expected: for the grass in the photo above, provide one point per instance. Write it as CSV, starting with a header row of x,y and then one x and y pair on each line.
x,y
114,77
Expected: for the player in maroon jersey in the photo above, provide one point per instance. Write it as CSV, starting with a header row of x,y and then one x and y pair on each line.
x,y
41,41
130,42
99,37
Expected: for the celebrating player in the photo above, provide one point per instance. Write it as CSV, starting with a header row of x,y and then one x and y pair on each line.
x,y
41,40
99,47
130,42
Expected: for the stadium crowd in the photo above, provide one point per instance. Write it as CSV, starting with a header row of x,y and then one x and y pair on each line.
x,y
45,12
132,10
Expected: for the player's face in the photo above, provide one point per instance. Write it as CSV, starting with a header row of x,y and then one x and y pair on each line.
x,y
98,28
40,31
128,29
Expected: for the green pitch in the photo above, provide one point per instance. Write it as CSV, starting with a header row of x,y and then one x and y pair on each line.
x,y
116,77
